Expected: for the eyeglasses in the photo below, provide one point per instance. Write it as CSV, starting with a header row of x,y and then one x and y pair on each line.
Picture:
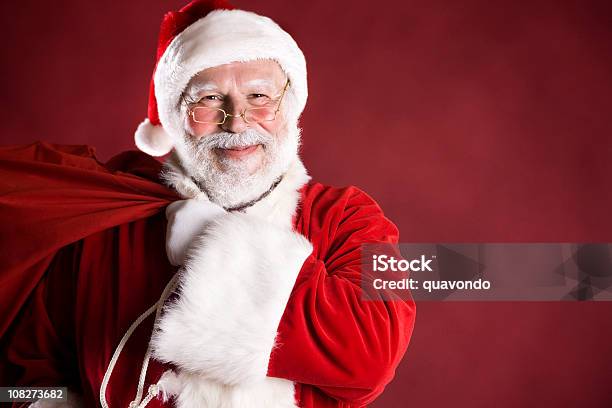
x,y
216,116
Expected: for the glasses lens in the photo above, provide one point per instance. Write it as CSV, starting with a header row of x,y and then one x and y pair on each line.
x,y
254,115
207,115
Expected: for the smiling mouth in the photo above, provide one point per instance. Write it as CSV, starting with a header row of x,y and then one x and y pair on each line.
x,y
239,151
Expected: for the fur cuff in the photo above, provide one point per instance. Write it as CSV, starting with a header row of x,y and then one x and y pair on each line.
x,y
234,289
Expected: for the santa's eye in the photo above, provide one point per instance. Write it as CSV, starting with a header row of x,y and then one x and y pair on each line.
x,y
210,98
259,99
258,96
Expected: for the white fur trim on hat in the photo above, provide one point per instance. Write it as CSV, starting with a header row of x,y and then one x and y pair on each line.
x,y
152,139
222,37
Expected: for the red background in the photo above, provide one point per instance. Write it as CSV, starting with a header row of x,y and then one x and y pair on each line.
x,y
467,121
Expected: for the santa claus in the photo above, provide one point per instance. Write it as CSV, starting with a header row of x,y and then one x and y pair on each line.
x,y
240,287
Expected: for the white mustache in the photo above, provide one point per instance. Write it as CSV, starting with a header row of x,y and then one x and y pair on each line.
x,y
226,140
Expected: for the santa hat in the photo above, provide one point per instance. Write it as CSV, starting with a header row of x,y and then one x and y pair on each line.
x,y
205,34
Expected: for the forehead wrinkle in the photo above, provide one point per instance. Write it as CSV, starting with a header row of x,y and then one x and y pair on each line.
x,y
259,82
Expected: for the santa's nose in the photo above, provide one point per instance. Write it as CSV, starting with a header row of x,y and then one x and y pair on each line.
x,y
235,123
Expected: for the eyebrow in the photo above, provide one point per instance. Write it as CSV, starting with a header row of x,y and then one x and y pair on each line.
x,y
197,88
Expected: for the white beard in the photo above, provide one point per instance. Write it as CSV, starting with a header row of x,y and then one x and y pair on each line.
x,y
228,181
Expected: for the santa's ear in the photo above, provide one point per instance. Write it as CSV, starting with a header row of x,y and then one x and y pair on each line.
x,y
153,139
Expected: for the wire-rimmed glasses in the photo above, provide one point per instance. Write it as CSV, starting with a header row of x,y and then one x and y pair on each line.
x,y
217,116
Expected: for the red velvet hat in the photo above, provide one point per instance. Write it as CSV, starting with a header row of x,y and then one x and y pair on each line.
x,y
205,34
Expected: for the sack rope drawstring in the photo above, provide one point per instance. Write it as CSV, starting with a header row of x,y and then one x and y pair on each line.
x,y
153,388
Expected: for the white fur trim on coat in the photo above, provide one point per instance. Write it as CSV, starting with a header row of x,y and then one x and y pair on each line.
x,y
222,328
221,37
234,289
191,390
259,250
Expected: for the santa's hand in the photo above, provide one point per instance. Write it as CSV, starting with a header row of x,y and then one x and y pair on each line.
x,y
186,220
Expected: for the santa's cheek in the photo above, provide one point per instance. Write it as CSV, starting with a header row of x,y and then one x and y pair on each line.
x,y
199,130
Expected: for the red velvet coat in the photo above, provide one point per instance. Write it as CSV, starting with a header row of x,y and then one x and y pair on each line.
x,y
83,255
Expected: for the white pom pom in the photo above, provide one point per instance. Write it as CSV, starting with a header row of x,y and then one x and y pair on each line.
x,y
153,139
